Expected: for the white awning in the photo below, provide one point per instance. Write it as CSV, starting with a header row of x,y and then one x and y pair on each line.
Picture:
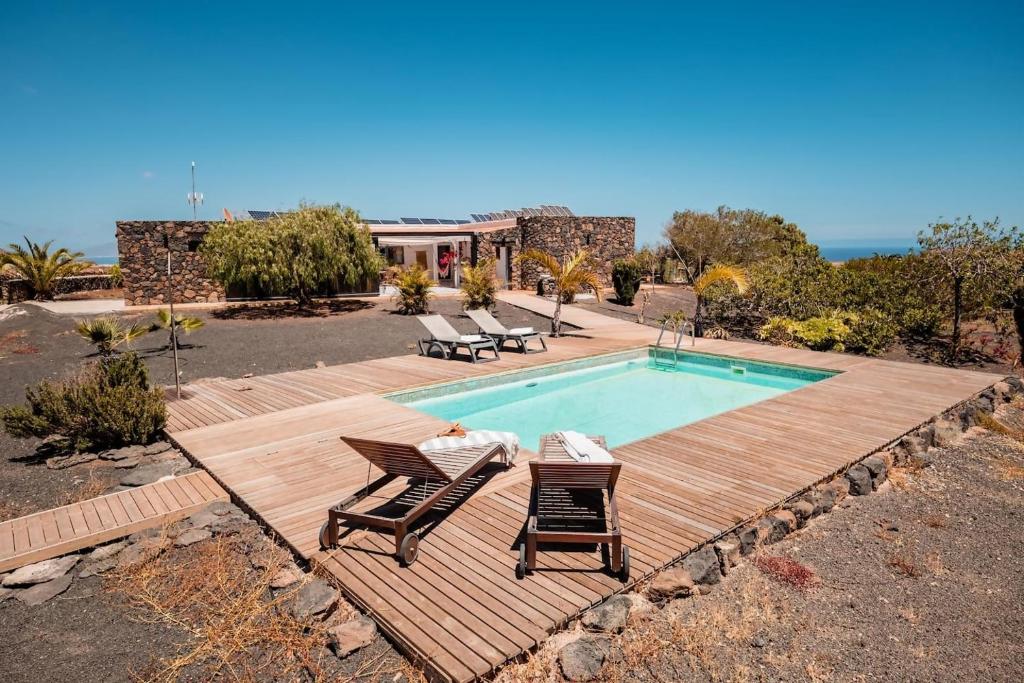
x,y
418,241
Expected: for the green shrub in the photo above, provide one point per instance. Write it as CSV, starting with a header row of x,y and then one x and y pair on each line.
x,y
116,276
871,332
413,285
822,333
479,285
626,276
108,405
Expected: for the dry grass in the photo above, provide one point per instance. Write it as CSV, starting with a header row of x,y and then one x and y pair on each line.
x,y
935,521
902,476
933,562
9,510
908,614
905,565
14,342
990,423
1009,471
787,571
91,488
237,629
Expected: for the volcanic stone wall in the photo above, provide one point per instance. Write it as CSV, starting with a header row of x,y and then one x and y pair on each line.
x,y
143,259
607,238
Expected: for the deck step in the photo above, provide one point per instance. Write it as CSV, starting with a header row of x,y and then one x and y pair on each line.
x,y
63,530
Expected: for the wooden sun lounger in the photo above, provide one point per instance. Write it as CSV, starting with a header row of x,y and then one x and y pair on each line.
x,y
567,505
448,468
500,334
448,340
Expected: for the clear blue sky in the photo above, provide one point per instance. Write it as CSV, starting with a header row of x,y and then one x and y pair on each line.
x,y
861,121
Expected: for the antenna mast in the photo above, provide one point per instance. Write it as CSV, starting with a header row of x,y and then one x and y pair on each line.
x,y
194,198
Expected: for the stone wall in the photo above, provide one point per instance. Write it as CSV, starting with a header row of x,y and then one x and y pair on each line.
x,y
15,290
488,242
607,238
143,260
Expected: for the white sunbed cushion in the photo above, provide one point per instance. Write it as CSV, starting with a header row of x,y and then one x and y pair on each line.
x,y
582,449
521,330
471,338
476,437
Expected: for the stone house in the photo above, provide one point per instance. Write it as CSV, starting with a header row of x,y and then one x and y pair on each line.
x,y
438,245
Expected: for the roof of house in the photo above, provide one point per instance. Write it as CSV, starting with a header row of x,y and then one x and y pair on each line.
x,y
435,224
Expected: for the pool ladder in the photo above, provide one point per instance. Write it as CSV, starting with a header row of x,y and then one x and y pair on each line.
x,y
678,334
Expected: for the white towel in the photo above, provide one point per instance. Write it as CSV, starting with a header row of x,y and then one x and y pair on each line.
x,y
582,449
471,338
476,437
521,330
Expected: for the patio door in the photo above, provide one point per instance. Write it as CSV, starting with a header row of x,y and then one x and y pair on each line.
x,y
502,265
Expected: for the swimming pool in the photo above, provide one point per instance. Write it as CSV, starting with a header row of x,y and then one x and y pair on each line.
x,y
626,397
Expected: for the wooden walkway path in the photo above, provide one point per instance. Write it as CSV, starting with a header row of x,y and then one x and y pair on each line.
x,y
62,530
460,608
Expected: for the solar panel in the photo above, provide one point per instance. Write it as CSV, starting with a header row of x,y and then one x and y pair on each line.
x,y
411,221
430,221
261,215
389,221
372,221
461,222
448,221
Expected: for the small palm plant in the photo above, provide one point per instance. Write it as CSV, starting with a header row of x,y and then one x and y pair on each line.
x,y
186,324
720,274
41,268
413,285
479,285
108,332
570,276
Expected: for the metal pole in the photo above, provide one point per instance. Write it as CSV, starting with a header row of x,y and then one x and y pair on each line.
x,y
194,208
174,330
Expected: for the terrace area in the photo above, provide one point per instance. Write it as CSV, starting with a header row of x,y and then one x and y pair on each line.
x,y
273,443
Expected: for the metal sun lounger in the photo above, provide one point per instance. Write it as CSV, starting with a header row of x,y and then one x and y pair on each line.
x,y
500,334
448,340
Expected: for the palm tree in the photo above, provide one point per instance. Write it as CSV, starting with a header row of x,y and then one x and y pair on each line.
x,y
570,277
41,268
107,333
186,324
712,276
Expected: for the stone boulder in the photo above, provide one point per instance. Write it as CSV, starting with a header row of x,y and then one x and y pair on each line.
x,y
703,566
41,572
771,529
352,635
41,592
156,448
582,659
123,453
610,616
1002,392
859,477
748,539
316,597
674,582
878,467
802,510
191,537
912,447
728,551
63,462
288,576
147,474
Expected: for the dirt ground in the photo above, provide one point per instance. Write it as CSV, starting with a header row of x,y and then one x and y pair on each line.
x,y
234,342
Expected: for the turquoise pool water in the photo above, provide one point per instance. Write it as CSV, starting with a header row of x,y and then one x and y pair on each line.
x,y
624,399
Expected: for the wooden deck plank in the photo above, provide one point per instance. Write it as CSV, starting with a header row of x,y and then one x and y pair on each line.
x,y
88,523
460,607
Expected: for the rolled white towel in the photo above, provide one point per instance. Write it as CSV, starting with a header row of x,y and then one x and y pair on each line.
x,y
476,437
470,338
521,330
582,449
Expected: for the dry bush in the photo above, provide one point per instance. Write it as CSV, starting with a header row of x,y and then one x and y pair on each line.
x,y
218,593
935,521
990,423
91,488
905,565
9,510
786,570
910,615
1009,471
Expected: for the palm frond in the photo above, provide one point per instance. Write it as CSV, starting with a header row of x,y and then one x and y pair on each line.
x,y
543,259
721,273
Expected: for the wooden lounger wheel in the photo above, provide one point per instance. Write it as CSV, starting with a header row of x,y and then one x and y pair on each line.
x,y
624,570
521,565
325,539
410,549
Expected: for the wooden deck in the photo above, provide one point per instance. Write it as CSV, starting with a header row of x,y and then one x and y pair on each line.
x,y
460,608
66,529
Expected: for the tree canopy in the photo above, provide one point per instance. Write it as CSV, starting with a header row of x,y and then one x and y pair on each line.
x,y
296,254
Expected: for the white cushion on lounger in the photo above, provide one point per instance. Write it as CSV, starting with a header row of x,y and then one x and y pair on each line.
x,y
582,449
521,330
471,338
476,437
